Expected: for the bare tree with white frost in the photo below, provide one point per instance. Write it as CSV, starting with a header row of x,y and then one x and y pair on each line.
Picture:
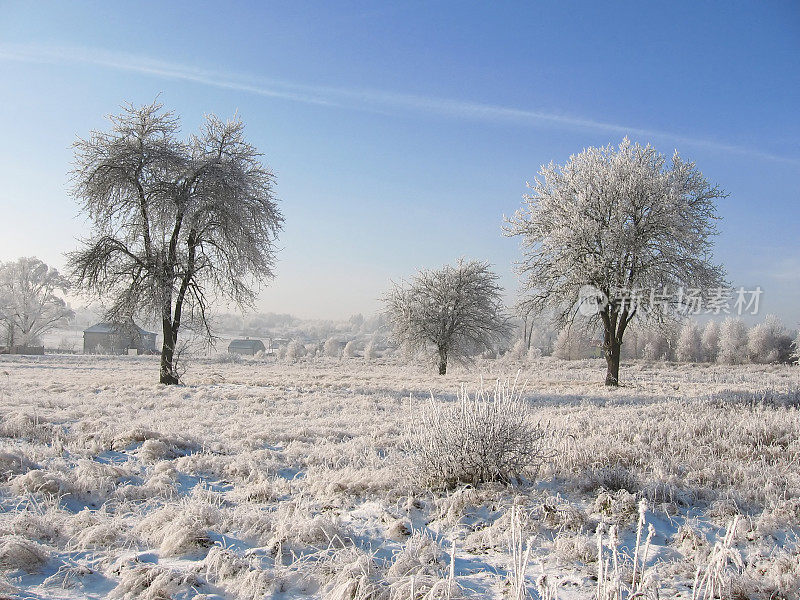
x,y
175,222
451,313
690,343
618,220
769,342
732,342
29,304
710,341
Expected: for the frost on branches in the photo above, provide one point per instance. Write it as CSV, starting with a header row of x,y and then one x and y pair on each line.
x,y
616,219
29,306
175,222
451,313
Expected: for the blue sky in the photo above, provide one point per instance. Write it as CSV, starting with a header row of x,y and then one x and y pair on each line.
x,y
400,133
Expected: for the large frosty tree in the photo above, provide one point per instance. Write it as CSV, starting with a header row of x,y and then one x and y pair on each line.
x,y
616,222
175,222
450,313
29,303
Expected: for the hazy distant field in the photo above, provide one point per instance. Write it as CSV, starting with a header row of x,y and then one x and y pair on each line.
x,y
260,479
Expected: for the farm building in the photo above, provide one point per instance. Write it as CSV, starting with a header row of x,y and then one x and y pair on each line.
x,y
118,338
246,347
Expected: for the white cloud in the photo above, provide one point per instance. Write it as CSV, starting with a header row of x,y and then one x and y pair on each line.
x,y
353,98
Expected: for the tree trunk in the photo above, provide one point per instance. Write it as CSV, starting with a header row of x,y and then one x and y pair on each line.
x,y
168,376
612,351
442,361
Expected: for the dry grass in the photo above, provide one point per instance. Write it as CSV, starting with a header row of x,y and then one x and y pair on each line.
x,y
258,478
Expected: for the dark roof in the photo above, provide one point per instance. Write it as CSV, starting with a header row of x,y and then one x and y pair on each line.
x,y
114,328
248,343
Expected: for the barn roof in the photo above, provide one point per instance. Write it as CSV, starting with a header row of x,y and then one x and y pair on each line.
x,y
248,343
114,328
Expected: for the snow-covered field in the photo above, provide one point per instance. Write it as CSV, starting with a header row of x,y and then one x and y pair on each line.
x,y
258,479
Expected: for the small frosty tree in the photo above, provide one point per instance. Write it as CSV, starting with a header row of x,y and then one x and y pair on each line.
x,y
29,305
452,313
690,344
710,341
331,348
769,342
655,343
614,221
174,222
732,342
370,353
295,350
350,349
572,343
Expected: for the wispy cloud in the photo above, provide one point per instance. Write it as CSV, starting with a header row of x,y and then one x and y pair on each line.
x,y
354,98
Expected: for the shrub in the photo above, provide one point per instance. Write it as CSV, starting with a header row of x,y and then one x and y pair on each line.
x,y
487,436
350,349
369,350
768,342
796,348
710,341
690,343
656,343
732,342
331,348
572,344
294,351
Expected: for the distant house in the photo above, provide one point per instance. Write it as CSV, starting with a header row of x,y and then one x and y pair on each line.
x,y
118,338
246,347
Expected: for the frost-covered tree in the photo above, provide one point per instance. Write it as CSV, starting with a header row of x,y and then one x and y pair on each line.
x,y
690,343
656,343
518,351
350,349
370,352
174,222
331,348
732,342
769,342
451,313
295,350
710,341
796,348
621,219
572,343
29,302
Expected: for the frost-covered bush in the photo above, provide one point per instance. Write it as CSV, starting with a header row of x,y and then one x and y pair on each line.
x,y
732,342
331,348
518,350
768,342
710,341
369,350
487,436
294,351
796,348
224,358
18,553
524,352
656,344
571,344
690,343
350,349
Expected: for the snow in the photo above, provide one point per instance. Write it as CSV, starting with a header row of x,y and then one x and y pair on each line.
x,y
264,479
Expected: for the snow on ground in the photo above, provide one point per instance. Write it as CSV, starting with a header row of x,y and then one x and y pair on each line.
x,y
260,479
